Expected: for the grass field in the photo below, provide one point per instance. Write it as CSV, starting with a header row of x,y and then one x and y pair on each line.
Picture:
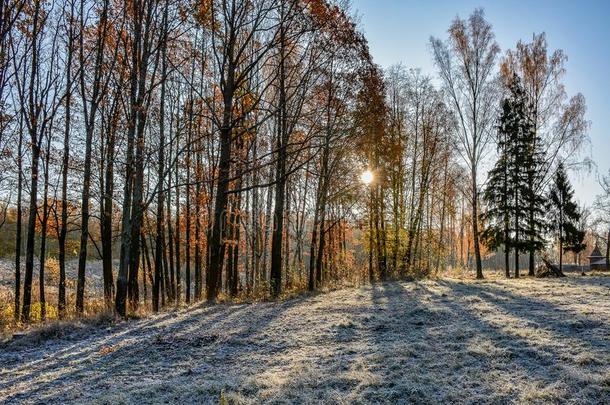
x,y
447,340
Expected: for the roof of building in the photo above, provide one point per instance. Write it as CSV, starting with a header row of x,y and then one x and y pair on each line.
x,y
596,253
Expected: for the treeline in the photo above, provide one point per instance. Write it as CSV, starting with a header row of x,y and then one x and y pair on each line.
x,y
209,140
518,103
215,148
437,204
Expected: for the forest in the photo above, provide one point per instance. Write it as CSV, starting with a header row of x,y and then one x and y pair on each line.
x,y
231,149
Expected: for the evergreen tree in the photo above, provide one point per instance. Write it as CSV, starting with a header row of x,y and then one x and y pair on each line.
x,y
575,240
509,196
497,194
563,213
518,125
532,208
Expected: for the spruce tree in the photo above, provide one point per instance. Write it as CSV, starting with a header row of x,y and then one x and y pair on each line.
x,y
498,192
563,213
509,196
520,129
532,207
575,238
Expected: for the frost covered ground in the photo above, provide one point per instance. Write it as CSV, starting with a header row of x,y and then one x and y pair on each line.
x,y
499,341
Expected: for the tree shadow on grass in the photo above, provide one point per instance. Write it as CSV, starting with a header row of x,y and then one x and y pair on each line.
x,y
372,351
461,353
423,361
536,337
388,343
152,348
440,342
564,323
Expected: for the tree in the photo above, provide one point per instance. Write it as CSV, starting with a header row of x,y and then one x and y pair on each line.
x,y
142,49
239,46
91,98
424,180
345,57
466,64
38,93
575,241
160,237
602,205
558,122
508,193
63,229
498,194
563,213
293,61
429,124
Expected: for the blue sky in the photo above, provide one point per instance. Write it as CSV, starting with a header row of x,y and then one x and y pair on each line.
x,y
399,31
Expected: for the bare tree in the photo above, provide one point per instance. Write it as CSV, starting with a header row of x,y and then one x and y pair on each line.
x,y
466,62
238,52
38,93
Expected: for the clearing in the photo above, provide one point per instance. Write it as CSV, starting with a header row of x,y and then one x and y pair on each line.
x,y
446,340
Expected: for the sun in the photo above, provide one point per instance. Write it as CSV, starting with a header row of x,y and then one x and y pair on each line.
x,y
367,177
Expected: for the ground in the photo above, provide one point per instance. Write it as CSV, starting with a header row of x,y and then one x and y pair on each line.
x,y
446,340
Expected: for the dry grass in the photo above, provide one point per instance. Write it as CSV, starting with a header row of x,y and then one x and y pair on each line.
x,y
94,303
94,308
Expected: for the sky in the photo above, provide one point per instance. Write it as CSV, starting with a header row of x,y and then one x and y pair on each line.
x,y
398,31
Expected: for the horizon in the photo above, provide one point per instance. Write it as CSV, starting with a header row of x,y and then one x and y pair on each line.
x,y
398,32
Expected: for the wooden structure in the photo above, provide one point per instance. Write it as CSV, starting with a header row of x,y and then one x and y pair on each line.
x,y
597,261
548,269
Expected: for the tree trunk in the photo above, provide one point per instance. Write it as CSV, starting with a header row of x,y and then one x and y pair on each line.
x,y
278,216
198,280
30,239
371,270
43,233
63,231
177,226
170,231
280,172
187,269
286,258
35,145
608,251
107,210
216,245
517,210
475,225
159,239
18,230
89,128
312,248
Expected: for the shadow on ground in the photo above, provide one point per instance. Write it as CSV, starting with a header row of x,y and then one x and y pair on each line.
x,y
425,342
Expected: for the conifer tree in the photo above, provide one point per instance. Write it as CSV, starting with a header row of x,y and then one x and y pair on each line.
x,y
497,194
520,129
575,240
528,167
563,213
532,164
508,195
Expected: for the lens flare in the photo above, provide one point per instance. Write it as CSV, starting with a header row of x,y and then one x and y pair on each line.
x,y
367,177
